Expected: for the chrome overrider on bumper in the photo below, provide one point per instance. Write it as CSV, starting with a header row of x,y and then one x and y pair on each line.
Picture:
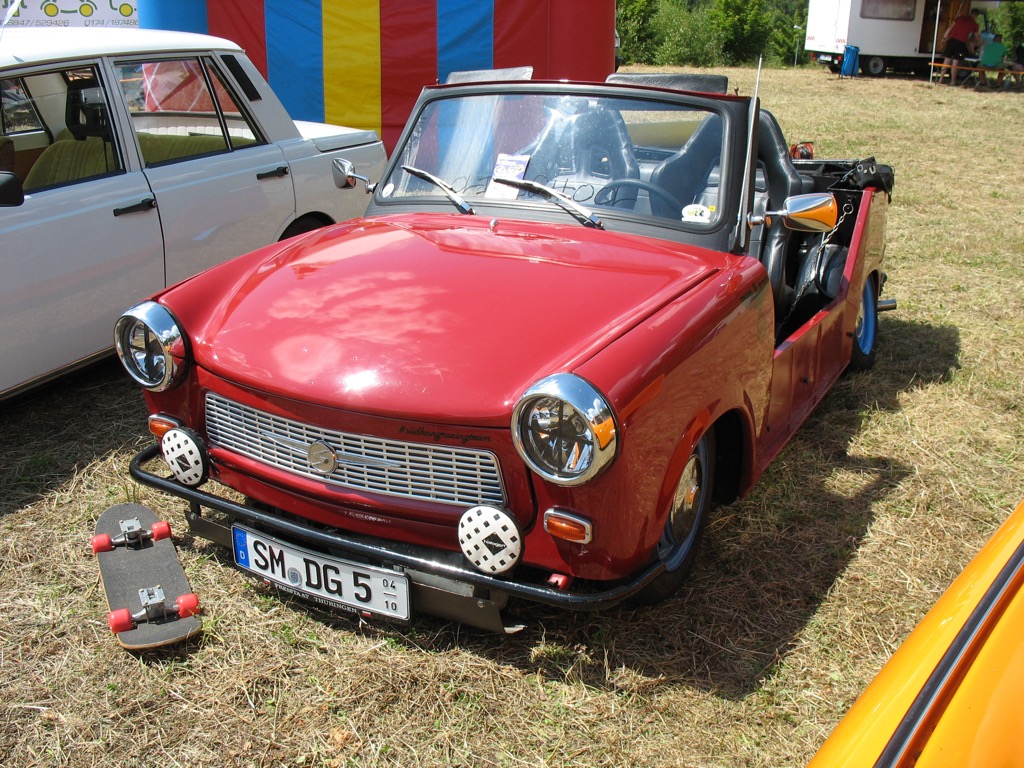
x,y
420,563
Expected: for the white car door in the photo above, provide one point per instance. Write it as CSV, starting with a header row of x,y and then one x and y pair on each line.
x,y
86,241
221,188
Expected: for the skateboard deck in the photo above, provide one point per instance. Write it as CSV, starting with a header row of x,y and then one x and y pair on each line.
x,y
151,603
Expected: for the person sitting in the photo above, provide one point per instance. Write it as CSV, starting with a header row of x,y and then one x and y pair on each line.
x,y
992,58
1017,65
961,41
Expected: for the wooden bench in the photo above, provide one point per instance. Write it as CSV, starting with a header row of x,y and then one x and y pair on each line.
x,y
973,72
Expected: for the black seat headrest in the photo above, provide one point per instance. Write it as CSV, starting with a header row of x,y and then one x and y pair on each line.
x,y
701,83
772,150
85,112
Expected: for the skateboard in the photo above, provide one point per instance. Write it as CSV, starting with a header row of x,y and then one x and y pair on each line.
x,y
151,603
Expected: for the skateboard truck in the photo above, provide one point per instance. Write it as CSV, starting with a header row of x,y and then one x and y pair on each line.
x,y
132,535
154,608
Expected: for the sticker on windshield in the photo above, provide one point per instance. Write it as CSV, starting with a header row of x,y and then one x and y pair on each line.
x,y
388,189
507,167
696,212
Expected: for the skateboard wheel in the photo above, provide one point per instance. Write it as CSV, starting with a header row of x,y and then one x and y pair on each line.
x,y
120,620
161,530
101,543
188,605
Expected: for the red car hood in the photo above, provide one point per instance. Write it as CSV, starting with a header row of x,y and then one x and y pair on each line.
x,y
440,317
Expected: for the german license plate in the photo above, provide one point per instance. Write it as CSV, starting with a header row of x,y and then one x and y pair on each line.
x,y
338,583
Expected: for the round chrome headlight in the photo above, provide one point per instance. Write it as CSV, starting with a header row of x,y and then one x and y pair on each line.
x,y
564,429
146,336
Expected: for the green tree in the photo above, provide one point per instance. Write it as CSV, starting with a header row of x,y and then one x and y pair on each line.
x,y
710,33
1008,20
786,40
634,20
747,26
688,36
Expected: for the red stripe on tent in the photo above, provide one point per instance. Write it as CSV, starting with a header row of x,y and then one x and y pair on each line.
x,y
408,60
590,27
521,35
244,22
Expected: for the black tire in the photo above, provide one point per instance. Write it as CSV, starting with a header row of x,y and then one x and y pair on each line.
x,y
865,333
684,528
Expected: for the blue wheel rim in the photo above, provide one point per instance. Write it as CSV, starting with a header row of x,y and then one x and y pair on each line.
x,y
867,320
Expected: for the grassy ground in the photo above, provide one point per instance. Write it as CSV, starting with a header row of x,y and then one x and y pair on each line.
x,y
803,590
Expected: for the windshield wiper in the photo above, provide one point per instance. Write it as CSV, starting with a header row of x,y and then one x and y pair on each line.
x,y
586,217
454,196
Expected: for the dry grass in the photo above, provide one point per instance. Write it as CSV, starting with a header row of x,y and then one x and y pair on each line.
x,y
801,593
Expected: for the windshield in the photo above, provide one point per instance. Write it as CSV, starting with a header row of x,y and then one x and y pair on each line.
x,y
644,157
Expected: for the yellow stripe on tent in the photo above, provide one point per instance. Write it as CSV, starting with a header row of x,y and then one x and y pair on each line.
x,y
351,43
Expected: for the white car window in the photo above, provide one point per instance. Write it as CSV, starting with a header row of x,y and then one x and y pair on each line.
x,y
74,107
17,114
182,109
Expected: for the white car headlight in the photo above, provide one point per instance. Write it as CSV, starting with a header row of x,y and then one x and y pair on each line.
x,y
564,429
146,338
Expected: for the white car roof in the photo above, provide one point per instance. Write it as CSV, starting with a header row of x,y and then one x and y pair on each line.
x,y
23,45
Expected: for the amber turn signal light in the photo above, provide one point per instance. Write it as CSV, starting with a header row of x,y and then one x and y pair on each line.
x,y
569,527
160,425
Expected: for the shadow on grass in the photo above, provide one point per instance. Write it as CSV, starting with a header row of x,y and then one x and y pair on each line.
x,y
50,432
767,563
768,560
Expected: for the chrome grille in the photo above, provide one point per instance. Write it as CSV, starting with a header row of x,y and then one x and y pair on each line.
x,y
438,473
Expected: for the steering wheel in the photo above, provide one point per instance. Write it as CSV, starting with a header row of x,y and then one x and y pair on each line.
x,y
607,194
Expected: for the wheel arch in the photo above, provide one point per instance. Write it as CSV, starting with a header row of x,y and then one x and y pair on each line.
x,y
733,451
307,222
732,456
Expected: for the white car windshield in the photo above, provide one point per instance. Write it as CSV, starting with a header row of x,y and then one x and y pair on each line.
x,y
643,157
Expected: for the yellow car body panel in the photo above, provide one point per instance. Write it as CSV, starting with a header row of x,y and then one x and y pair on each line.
x,y
950,695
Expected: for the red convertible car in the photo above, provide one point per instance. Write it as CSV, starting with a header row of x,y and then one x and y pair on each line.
x,y
572,318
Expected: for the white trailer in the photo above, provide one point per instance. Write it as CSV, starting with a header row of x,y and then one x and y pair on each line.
x,y
898,35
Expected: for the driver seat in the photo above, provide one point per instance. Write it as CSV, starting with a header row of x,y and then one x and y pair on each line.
x,y
783,181
85,113
604,152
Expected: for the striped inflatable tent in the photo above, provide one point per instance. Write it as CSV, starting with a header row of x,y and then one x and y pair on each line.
x,y
362,63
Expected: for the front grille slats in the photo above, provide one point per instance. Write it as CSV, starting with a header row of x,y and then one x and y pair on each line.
x,y
438,473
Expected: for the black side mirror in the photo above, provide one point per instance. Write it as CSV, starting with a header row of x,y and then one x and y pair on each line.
x,y
11,191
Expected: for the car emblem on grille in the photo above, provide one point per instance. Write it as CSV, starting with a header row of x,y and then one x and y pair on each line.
x,y
322,451
322,457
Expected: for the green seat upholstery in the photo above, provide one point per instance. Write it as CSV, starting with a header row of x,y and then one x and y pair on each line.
x,y
69,160
160,148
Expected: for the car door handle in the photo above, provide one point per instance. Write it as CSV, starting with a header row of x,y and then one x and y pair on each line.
x,y
281,170
143,205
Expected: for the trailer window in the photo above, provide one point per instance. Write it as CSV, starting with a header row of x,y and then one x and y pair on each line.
x,y
899,10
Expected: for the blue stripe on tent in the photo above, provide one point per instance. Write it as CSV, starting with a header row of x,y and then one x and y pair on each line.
x,y
295,56
465,36
182,15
